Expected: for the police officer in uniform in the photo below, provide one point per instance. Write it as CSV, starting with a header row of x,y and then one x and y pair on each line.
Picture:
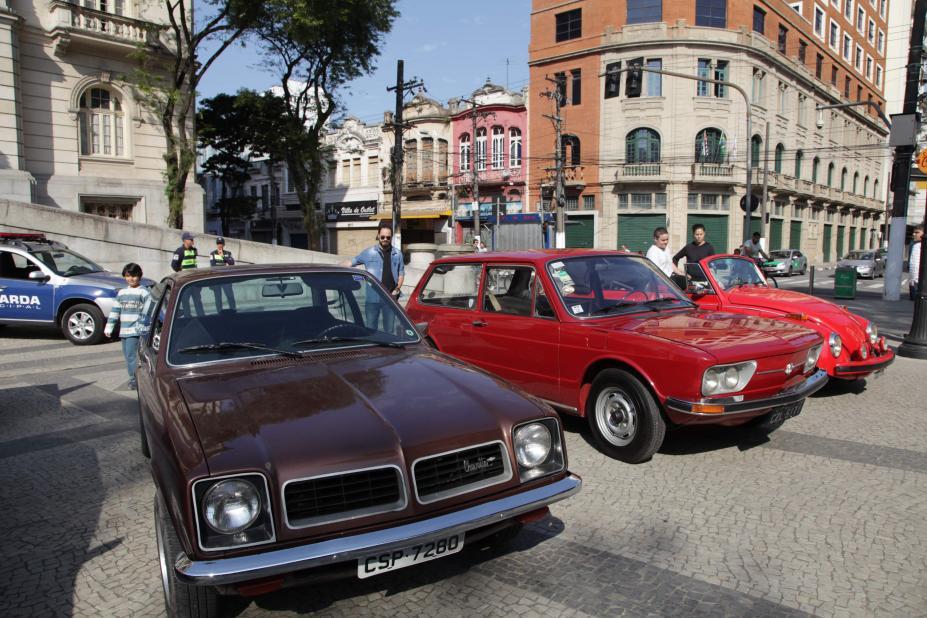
x,y
218,258
184,258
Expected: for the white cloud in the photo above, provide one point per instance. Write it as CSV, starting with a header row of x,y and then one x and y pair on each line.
x,y
427,48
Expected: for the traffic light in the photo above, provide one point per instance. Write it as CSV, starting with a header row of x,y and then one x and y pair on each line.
x,y
635,78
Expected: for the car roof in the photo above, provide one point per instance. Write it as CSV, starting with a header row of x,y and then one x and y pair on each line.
x,y
529,255
197,274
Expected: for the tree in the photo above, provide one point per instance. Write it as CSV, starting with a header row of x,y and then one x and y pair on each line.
x,y
167,79
225,129
317,46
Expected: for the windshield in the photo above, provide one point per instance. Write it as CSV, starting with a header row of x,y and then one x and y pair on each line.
x,y
779,255
735,272
288,314
66,263
598,285
858,255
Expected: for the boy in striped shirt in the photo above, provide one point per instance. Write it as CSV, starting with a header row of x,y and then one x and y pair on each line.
x,y
127,311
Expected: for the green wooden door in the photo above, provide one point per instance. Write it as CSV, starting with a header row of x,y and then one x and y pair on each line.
x,y
636,231
840,233
795,235
828,228
775,234
852,238
715,229
580,232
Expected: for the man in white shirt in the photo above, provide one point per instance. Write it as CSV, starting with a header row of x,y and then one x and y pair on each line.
x,y
659,252
753,248
914,261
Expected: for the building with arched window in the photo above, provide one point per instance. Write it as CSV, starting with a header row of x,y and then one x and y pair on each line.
x,y
774,52
72,133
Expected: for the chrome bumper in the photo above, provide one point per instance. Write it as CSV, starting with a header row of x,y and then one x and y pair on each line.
x,y
811,385
855,369
281,561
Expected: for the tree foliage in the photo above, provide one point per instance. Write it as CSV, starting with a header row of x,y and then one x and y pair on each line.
x,y
316,47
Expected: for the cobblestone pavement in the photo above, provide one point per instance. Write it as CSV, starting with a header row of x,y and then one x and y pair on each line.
x,y
826,517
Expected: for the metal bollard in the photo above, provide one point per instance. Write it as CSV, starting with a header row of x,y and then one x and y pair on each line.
x,y
811,282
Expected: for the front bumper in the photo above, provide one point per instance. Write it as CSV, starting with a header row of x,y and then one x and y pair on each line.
x,y
861,368
776,270
811,385
238,569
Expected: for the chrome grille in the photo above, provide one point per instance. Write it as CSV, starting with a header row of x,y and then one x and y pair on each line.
x,y
335,497
449,474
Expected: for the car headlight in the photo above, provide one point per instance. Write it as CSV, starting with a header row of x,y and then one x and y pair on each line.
x,y
727,378
538,448
835,344
231,506
813,355
233,511
872,331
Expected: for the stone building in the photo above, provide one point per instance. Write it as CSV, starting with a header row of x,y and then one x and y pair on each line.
x,y
72,132
678,154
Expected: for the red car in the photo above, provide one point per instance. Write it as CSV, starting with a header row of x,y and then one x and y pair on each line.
x,y
606,336
731,283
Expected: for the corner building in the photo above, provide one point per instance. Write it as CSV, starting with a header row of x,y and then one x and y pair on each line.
x,y
678,154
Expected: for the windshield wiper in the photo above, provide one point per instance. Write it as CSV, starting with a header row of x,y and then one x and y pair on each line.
x,y
620,305
666,299
227,346
384,344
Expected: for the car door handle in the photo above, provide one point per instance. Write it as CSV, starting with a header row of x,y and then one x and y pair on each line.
x,y
479,323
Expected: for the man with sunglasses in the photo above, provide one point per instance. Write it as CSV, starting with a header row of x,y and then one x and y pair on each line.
x,y
373,259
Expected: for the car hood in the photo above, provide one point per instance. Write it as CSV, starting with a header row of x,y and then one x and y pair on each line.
x,y
105,279
342,409
726,336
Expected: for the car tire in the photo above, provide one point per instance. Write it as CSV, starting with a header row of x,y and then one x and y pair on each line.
x,y
179,599
789,274
623,417
83,324
146,450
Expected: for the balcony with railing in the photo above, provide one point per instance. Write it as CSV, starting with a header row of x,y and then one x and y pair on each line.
x,y
713,172
573,176
79,25
639,172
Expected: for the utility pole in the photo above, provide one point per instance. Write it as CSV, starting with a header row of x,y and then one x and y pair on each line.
x,y
901,167
559,197
763,206
475,116
401,88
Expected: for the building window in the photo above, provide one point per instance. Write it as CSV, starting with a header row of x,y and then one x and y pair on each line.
x,y
875,189
498,148
113,210
819,21
858,59
802,51
833,76
833,35
830,175
796,6
868,67
783,41
860,18
720,72
411,163
577,86
102,124
644,11
799,155
848,10
758,93
815,164
465,152
818,65
878,75
612,80
569,25
843,179
561,86
514,147
373,170
265,196
642,146
865,186
882,7
710,146
859,92
569,150
871,32
880,41
588,202
847,47
711,13
759,20
855,181
846,87
653,82
755,144
481,149
780,154
783,98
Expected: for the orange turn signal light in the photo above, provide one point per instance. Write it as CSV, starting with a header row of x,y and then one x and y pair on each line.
x,y
797,316
707,408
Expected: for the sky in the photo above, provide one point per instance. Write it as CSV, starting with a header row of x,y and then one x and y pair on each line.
x,y
452,46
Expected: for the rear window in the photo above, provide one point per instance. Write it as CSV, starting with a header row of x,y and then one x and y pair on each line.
x,y
452,285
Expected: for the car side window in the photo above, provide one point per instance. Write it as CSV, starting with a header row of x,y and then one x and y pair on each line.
x,y
508,290
452,285
542,308
153,315
15,266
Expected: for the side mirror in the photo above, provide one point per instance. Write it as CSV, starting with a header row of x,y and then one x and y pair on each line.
x,y
699,288
422,328
38,275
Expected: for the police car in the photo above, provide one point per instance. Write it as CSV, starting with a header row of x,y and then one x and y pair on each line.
x,y
43,282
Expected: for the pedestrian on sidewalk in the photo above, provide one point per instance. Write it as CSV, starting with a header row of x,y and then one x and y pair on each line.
x,y
914,262
659,252
384,262
127,312
184,256
217,259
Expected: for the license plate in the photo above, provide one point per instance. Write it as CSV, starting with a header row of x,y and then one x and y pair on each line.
x,y
416,554
783,413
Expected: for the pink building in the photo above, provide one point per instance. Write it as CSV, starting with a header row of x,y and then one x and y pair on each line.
x,y
494,152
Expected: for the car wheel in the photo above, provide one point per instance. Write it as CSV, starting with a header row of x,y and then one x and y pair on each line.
x,y
146,451
83,324
624,417
179,599
789,274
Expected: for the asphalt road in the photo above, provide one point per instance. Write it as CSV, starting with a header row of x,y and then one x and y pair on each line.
x,y
827,517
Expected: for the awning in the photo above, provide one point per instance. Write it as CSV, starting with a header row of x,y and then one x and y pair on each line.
x,y
416,212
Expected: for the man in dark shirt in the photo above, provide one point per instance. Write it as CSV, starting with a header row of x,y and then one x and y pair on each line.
x,y
696,250
185,256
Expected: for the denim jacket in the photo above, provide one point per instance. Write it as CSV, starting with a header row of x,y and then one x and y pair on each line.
x,y
372,259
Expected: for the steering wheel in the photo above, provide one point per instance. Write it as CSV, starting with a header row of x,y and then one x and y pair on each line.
x,y
356,329
618,286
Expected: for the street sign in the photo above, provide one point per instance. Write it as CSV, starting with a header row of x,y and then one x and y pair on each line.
x,y
754,202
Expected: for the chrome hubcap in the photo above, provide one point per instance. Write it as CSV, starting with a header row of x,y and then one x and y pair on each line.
x,y
616,416
80,325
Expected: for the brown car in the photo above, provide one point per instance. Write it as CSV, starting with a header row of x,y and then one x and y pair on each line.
x,y
299,428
